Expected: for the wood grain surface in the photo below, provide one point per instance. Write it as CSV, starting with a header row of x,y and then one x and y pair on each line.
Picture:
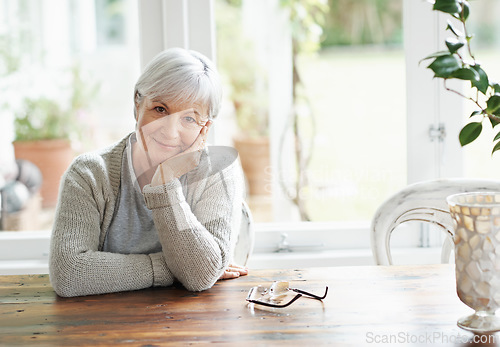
x,y
373,305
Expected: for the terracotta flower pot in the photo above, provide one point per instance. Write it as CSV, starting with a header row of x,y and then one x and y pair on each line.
x,y
255,160
52,158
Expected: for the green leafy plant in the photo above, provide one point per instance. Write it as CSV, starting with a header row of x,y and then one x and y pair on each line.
x,y
459,62
42,119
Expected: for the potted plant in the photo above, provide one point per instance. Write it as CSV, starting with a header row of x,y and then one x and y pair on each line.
x,y
45,131
42,131
458,62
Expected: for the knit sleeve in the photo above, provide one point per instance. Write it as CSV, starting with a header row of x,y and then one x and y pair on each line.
x,y
195,222
77,266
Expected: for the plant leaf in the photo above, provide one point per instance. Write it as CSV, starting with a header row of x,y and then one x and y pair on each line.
x,y
494,120
448,6
466,10
435,55
482,84
466,73
497,137
493,104
496,87
444,66
454,30
469,133
475,113
495,148
453,44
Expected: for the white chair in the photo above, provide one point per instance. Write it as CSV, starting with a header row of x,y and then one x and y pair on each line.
x,y
425,202
246,238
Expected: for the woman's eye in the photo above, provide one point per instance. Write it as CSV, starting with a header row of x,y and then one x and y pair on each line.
x,y
190,119
160,109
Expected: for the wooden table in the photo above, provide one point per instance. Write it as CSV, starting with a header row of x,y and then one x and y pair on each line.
x,y
405,305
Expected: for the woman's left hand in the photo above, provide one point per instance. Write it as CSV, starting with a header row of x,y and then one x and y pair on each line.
x,y
234,271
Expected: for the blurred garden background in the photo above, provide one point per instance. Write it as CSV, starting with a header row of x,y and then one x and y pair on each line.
x,y
353,120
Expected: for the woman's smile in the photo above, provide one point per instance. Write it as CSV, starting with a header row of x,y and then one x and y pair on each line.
x,y
166,146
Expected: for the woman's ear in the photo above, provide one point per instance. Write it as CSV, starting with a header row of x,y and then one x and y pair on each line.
x,y
137,98
136,111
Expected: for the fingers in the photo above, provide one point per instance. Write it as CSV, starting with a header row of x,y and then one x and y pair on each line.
x,y
228,275
234,271
200,141
204,130
241,271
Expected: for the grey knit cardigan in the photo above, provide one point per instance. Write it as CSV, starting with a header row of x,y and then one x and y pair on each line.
x,y
196,222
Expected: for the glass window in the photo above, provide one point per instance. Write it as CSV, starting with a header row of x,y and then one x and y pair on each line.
x,y
350,102
65,49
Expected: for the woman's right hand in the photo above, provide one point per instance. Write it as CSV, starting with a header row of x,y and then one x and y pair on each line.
x,y
183,162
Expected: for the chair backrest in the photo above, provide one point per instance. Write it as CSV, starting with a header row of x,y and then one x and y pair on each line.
x,y
246,238
423,201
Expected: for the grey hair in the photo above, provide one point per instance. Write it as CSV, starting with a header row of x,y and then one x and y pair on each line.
x,y
178,75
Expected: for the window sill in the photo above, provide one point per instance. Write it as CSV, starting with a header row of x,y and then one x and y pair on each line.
x,y
344,257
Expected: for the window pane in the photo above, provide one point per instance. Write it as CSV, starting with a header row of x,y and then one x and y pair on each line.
x,y
358,97
355,113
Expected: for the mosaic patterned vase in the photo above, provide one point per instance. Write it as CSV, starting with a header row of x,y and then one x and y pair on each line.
x,y
476,218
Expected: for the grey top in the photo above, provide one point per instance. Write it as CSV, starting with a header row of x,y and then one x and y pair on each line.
x,y
132,229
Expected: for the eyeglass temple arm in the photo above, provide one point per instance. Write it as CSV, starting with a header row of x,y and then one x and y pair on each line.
x,y
275,305
310,294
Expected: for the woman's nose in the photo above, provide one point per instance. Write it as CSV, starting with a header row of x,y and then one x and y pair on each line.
x,y
170,127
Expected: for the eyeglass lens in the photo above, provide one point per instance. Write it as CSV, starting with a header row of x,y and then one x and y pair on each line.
x,y
278,295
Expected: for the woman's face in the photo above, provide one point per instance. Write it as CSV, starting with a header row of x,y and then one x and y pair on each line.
x,y
164,130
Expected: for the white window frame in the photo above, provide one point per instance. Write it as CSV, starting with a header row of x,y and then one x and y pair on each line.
x,y
428,104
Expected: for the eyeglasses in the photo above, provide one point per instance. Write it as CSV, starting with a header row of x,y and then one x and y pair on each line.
x,y
276,295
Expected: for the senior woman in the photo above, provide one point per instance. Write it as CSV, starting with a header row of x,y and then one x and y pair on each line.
x,y
158,206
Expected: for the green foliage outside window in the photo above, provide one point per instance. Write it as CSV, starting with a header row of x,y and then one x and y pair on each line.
x,y
362,22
